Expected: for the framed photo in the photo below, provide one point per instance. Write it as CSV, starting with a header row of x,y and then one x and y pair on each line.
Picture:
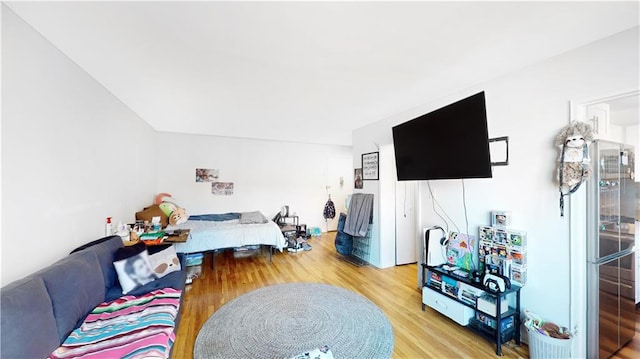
x,y
370,166
357,178
207,175
222,188
501,219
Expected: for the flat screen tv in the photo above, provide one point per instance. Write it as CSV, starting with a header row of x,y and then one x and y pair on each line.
x,y
449,143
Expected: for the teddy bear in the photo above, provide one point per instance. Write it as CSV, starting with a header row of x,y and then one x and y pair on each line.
x,y
177,215
574,162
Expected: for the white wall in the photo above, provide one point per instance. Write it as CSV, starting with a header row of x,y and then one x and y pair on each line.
x,y
72,154
625,117
616,133
266,175
385,255
632,135
530,106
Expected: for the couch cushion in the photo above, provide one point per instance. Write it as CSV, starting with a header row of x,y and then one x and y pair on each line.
x,y
175,280
105,248
28,326
76,286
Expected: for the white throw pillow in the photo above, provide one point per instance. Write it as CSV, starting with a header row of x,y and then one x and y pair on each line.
x,y
134,271
164,262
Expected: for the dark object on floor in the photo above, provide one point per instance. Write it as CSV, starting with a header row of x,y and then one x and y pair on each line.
x,y
301,231
344,242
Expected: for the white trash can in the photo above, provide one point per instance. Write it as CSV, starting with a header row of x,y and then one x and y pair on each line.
x,y
545,347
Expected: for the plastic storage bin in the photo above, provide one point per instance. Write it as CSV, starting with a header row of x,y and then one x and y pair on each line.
x,y
544,347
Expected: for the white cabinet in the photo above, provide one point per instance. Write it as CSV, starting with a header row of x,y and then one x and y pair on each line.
x,y
598,116
457,311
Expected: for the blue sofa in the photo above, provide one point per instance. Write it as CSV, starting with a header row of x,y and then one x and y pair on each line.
x,y
38,312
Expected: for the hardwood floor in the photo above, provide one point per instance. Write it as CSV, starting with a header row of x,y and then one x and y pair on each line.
x,y
394,290
631,350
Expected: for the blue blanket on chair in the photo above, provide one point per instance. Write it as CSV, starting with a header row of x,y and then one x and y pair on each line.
x,y
215,217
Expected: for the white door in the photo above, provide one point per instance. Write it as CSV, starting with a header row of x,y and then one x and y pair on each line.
x,y
406,248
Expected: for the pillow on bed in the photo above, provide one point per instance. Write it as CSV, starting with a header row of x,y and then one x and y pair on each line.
x,y
164,261
133,268
252,218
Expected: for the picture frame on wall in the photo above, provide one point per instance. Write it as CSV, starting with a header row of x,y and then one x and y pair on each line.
x,y
370,166
501,219
357,178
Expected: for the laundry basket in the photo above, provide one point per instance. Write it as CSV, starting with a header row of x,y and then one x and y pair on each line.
x,y
545,347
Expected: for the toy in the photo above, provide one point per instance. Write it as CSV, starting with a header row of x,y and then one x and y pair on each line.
x,y
574,163
177,215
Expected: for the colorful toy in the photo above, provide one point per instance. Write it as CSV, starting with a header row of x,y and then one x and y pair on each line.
x,y
177,215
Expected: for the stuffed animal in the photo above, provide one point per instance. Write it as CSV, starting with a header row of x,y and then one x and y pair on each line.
x,y
177,215
574,163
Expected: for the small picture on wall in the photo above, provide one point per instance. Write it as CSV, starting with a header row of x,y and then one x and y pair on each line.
x,y
357,178
207,175
222,188
501,219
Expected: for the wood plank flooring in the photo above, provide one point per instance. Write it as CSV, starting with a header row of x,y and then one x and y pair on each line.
x,y
631,350
394,290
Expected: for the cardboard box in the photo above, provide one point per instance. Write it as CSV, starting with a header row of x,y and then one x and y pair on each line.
x,y
487,304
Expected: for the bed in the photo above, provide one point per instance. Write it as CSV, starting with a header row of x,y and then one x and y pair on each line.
x,y
213,232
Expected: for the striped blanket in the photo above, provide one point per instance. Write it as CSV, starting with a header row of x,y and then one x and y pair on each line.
x,y
128,327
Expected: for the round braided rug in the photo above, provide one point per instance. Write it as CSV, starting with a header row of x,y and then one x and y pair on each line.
x,y
282,321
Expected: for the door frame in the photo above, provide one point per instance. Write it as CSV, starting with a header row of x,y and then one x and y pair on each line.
x,y
577,235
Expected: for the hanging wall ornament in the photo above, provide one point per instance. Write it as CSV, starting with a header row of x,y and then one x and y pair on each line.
x,y
574,164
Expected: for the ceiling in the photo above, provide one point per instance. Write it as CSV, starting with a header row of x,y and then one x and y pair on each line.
x,y
307,71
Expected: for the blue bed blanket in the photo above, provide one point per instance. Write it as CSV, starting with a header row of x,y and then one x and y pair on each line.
x,y
215,217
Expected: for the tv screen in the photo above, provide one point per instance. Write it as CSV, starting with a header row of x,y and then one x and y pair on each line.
x,y
449,143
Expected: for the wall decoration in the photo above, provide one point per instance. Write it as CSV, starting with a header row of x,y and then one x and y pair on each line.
x,y
503,251
370,166
207,175
460,250
501,219
222,188
357,178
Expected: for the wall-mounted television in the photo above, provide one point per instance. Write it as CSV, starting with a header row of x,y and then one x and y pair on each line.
x,y
449,143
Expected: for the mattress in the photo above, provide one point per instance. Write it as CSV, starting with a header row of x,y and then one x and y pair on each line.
x,y
212,235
